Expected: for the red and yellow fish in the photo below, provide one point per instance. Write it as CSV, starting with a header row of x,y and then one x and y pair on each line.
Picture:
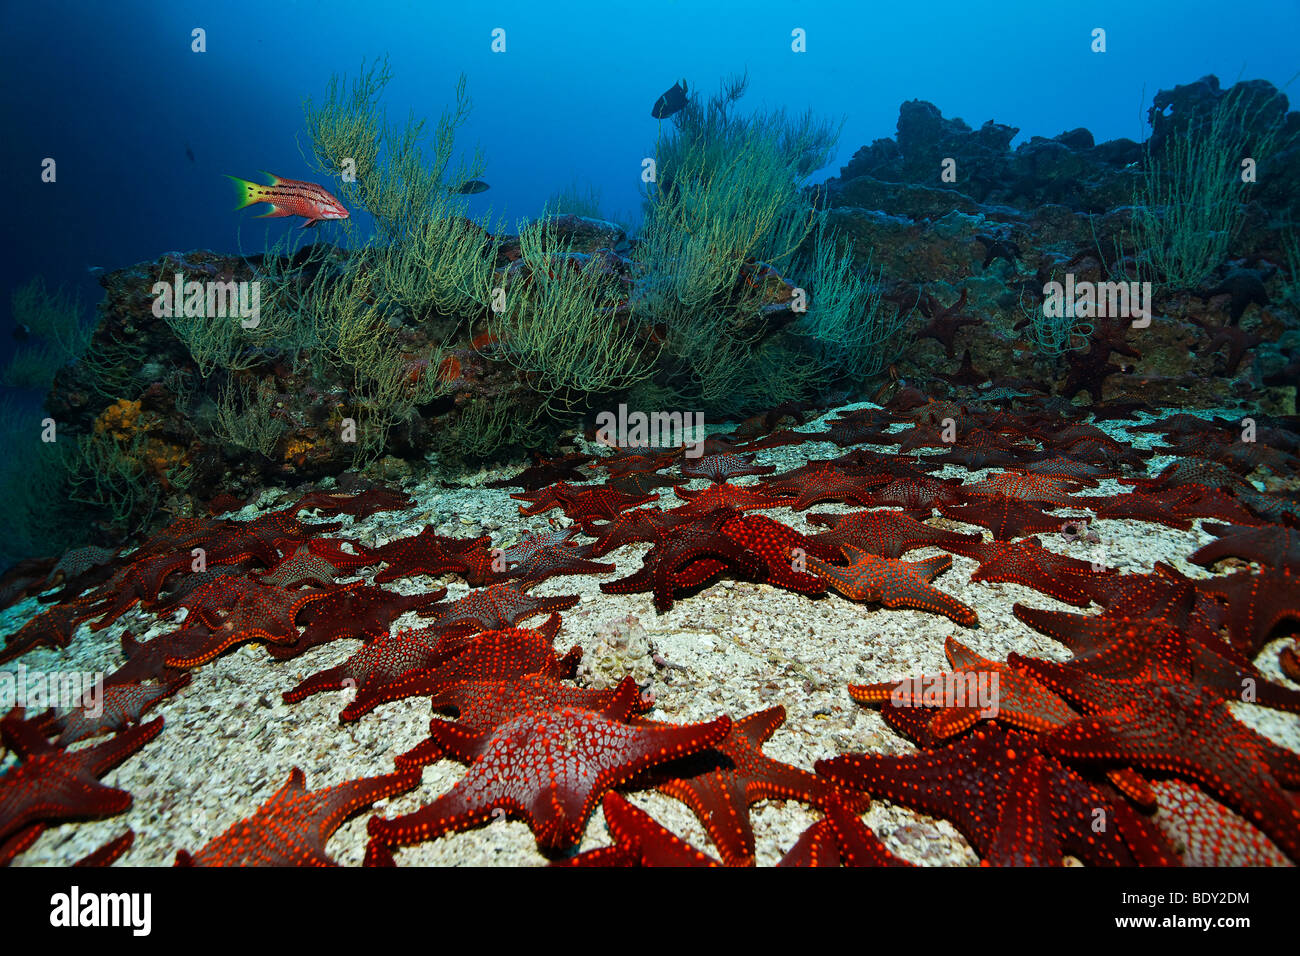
x,y
290,197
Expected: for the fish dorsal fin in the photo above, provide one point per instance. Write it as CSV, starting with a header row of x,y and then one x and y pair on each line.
x,y
275,180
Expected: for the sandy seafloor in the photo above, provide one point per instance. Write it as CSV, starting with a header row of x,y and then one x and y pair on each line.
x,y
735,647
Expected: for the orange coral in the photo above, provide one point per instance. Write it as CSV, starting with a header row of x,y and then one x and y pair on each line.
x,y
119,419
124,422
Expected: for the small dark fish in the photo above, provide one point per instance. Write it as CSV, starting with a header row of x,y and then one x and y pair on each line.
x,y
189,153
471,186
21,332
671,102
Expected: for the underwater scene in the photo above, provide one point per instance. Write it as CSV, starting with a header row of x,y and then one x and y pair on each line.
x,y
575,434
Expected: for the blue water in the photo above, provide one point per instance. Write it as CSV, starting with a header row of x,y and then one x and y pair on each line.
x,y
115,95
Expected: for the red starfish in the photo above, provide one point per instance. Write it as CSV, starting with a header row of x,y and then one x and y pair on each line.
x,y
493,655
546,473
627,462
736,497
1175,507
1170,728
846,433
359,506
143,662
487,704
581,505
120,706
1016,699
331,549
920,436
827,482
894,583
353,611
721,468
945,323
1037,488
980,448
182,535
1257,604
1015,803
80,568
782,550
55,784
493,608
264,538
642,524
139,582
918,496
54,627
549,767
1147,647
1027,562
1007,518
641,484
840,839
430,553
1193,471
663,565
292,828
371,669
539,556
1165,591
638,841
1089,370
210,595
1207,832
1068,469
721,784
267,614
1271,545
110,852
302,566
886,533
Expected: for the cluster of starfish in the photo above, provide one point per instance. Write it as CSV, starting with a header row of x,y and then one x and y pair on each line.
x,y
1023,756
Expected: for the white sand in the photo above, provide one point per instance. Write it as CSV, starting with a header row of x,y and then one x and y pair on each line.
x,y
229,741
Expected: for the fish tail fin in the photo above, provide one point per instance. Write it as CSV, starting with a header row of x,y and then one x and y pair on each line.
x,y
245,191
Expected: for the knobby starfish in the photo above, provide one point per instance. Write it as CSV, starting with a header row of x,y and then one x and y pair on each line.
x,y
886,533
1014,802
1170,728
354,611
894,583
721,468
487,704
840,839
293,826
638,841
493,608
550,768
52,784
721,784
432,554
494,655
